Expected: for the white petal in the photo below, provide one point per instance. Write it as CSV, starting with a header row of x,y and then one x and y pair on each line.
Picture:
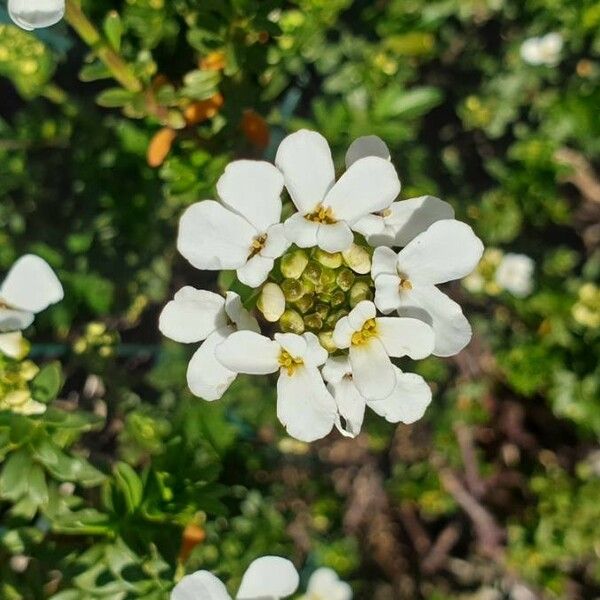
x,y
350,405
213,237
301,231
305,160
336,237
255,272
450,326
269,577
336,368
385,260
30,15
404,336
370,226
249,352
315,354
31,285
201,585
192,315
277,242
15,320
11,344
448,250
372,370
408,401
369,185
325,583
253,189
388,294
238,314
409,218
342,333
292,343
368,145
304,405
361,313
207,378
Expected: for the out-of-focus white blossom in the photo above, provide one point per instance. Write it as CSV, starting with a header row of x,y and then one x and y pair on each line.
x,y
324,584
34,14
543,50
515,274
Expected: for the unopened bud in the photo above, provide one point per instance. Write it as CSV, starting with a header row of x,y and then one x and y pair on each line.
x,y
271,302
313,321
313,272
327,279
326,340
332,261
333,318
345,279
305,303
358,259
293,263
292,289
360,291
322,309
291,322
337,298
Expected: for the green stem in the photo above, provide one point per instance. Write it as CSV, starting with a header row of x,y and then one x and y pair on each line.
x,y
120,70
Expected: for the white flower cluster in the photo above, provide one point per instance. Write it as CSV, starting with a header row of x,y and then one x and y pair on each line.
x,y
267,578
34,14
322,275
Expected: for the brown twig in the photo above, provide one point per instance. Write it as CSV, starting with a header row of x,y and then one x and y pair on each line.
x,y
582,175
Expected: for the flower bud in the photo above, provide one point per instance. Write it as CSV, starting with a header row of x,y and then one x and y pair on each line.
x,y
293,263
327,279
326,340
337,298
292,289
333,318
313,321
271,302
358,259
313,272
360,291
291,322
345,279
322,309
305,303
332,261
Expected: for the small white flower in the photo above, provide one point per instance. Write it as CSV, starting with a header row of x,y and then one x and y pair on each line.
x,y
29,288
242,233
407,402
515,274
403,220
267,578
33,14
304,406
198,315
407,281
328,211
325,584
373,340
544,50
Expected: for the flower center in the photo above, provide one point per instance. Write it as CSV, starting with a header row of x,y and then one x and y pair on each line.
x,y
289,363
386,213
368,331
405,284
321,214
258,243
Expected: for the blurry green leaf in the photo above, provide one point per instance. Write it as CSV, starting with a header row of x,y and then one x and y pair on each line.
x,y
395,102
47,383
200,85
115,98
113,28
94,72
130,485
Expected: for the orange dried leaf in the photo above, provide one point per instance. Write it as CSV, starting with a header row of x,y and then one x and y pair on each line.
x,y
192,536
202,110
255,129
214,61
160,146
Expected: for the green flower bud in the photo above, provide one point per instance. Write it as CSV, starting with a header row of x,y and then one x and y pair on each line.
x,y
291,321
322,309
293,263
313,272
332,261
358,292
327,279
326,340
271,302
292,289
334,317
358,259
345,279
337,298
313,321
305,303
308,285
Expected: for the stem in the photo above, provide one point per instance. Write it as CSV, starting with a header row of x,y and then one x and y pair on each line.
x,y
120,70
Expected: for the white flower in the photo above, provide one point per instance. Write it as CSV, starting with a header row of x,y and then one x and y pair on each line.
x,y
407,402
267,578
328,211
29,288
403,220
515,274
198,315
407,281
304,406
324,584
373,340
33,14
242,233
544,50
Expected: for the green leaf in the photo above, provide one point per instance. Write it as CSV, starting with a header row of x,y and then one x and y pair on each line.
x,y
47,383
113,28
200,85
395,102
115,98
94,72
13,483
130,485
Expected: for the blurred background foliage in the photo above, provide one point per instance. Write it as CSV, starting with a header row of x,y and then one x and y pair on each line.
x,y
127,481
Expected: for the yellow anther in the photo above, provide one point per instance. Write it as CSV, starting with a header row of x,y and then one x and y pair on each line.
x,y
321,214
386,213
405,284
289,363
258,243
368,331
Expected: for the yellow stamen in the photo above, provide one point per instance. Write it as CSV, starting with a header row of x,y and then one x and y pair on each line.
x,y
258,243
321,214
386,213
289,363
405,284
368,331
